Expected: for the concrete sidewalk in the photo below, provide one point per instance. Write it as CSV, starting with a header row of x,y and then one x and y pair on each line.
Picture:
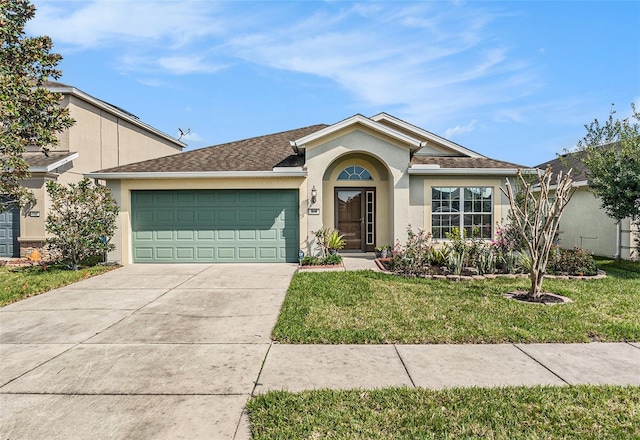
x,y
303,367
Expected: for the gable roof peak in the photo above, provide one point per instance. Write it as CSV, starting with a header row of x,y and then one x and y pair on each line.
x,y
422,133
299,145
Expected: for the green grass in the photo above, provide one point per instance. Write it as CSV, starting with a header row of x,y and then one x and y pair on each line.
x,y
569,412
17,283
368,307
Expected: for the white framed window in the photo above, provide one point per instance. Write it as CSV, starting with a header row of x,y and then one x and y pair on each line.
x,y
469,209
355,173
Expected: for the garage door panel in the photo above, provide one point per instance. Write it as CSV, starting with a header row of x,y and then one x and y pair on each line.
x,y
215,225
165,253
226,253
186,216
225,217
205,235
268,235
164,198
206,253
227,235
185,253
164,216
247,235
185,235
143,254
164,235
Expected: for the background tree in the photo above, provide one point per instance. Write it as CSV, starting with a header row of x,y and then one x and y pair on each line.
x,y
82,220
537,217
611,154
30,115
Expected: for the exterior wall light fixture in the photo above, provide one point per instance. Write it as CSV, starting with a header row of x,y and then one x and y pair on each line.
x,y
314,194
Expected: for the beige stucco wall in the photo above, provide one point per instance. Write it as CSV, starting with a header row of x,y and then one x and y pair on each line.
x,y
585,224
121,191
102,141
379,153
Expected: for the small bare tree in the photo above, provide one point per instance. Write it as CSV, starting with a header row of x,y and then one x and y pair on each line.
x,y
537,218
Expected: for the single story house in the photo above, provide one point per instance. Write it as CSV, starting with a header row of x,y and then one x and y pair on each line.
x,y
261,199
103,136
585,223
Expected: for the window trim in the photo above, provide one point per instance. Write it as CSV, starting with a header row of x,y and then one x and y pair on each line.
x,y
358,170
462,213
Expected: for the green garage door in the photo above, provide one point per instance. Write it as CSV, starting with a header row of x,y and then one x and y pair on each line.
x,y
215,226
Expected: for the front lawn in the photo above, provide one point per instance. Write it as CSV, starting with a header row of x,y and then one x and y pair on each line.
x,y
584,412
17,283
375,308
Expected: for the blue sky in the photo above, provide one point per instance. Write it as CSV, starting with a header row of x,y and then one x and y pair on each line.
x,y
515,80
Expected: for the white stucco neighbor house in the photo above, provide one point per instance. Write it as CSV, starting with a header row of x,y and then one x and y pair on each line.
x,y
103,135
260,199
585,223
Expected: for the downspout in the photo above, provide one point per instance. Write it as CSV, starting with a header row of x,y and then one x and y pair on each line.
x,y
618,240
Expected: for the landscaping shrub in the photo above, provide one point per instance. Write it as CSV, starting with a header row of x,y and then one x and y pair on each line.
x,y
413,258
461,255
574,261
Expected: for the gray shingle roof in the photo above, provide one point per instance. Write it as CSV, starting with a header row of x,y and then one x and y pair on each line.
x,y
39,160
463,162
263,153
566,162
260,153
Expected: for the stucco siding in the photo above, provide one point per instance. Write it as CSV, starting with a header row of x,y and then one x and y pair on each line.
x,y
584,224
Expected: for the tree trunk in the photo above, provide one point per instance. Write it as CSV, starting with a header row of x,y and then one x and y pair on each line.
x,y
536,276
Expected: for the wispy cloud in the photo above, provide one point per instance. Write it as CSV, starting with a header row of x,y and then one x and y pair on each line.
x,y
103,23
459,129
428,61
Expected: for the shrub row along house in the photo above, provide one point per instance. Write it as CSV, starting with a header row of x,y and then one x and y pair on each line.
x,y
103,136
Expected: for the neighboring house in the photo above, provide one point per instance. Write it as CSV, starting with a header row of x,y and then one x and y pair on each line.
x,y
585,223
103,136
260,199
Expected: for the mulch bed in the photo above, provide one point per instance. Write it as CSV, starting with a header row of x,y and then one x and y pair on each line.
x,y
547,298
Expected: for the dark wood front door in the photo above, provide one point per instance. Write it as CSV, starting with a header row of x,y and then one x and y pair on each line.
x,y
349,217
355,217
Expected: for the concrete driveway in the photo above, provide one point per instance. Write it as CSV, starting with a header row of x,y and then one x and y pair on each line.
x,y
144,351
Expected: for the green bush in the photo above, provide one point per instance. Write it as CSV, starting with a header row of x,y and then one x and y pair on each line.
x,y
413,258
574,261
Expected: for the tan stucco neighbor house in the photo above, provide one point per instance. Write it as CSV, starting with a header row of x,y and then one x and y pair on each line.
x,y
103,136
260,199
585,223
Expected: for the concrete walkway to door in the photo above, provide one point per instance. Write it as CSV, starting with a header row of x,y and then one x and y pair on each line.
x,y
144,351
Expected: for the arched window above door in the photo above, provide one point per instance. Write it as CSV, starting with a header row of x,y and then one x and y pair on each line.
x,y
355,172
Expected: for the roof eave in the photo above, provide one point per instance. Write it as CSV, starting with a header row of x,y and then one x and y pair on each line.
x,y
418,170
195,174
54,165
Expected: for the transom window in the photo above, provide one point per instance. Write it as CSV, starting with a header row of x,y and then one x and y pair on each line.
x,y
468,209
355,173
